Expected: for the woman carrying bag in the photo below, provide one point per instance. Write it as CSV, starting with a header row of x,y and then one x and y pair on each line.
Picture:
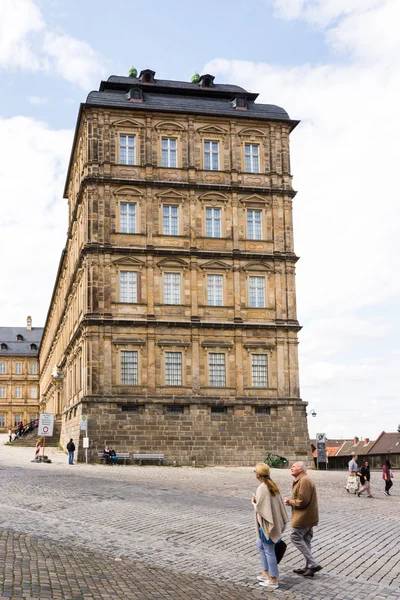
x,y
270,518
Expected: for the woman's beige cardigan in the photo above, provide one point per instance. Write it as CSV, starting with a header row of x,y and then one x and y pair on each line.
x,y
270,513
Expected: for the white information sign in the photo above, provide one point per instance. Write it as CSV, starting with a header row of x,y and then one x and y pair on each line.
x,y
84,423
46,424
85,442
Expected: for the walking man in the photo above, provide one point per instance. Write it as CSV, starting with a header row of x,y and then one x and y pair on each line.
x,y
71,450
304,516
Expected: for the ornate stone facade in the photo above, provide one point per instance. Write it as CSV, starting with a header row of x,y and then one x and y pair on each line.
x,y
173,321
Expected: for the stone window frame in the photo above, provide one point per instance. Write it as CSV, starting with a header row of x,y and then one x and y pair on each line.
x,y
172,271
175,204
128,195
211,139
135,153
137,217
258,276
17,419
2,420
33,388
258,269
18,369
250,368
256,202
256,137
170,130
251,348
138,285
18,387
178,346
3,370
131,265
129,346
33,368
215,268
3,394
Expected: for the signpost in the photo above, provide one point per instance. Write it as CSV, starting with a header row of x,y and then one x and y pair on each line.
x,y
46,426
321,449
84,427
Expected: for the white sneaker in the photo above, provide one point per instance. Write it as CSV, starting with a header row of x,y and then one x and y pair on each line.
x,y
270,586
261,578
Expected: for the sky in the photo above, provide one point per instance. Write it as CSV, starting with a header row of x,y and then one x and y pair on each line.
x,y
333,64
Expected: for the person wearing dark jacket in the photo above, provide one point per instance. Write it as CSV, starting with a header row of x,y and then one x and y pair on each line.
x,y
71,450
365,476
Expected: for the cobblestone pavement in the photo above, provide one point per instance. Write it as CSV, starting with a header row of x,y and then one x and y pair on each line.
x,y
97,532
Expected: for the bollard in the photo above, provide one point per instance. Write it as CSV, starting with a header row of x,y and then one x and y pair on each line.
x,y
37,450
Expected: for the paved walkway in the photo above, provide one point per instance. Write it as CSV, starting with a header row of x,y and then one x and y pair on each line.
x,y
96,532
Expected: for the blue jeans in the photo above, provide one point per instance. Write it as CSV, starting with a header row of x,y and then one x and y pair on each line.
x,y
70,458
268,558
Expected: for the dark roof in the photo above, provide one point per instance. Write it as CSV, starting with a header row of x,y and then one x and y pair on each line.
x,y
8,335
166,83
187,104
349,448
387,443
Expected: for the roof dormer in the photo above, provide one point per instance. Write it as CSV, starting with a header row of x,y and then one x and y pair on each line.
x,y
3,346
19,337
135,94
33,347
147,76
240,102
206,81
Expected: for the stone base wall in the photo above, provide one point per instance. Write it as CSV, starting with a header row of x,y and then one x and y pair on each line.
x,y
236,438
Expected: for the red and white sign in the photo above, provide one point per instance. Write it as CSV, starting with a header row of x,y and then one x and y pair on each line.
x,y
46,424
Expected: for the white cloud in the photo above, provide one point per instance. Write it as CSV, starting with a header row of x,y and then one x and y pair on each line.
x,y
37,100
33,217
26,42
344,160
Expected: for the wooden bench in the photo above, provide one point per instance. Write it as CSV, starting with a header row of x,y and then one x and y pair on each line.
x,y
141,457
120,455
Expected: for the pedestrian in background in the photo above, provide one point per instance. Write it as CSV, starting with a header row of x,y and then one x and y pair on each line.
x,y
352,481
71,450
365,477
10,434
271,518
304,505
387,476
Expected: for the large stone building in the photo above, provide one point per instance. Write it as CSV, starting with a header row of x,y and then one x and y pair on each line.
x,y
173,322
19,374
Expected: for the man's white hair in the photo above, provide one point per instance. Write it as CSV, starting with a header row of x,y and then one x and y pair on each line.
x,y
301,466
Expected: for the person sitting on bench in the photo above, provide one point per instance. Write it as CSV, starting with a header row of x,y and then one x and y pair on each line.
x,y
107,455
113,456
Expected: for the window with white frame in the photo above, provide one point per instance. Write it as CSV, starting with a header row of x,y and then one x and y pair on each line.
x,y
252,158
259,370
17,420
127,149
33,392
33,368
170,220
257,292
129,367
169,152
3,368
173,368
216,369
211,156
128,286
18,368
213,222
18,391
215,290
172,288
254,224
2,391
2,420
127,217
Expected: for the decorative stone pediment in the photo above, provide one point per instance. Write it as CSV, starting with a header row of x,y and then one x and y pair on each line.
x,y
255,198
257,266
213,196
128,261
127,190
173,263
217,265
211,130
252,132
171,195
169,126
126,124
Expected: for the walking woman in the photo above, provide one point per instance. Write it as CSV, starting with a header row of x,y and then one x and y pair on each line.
x,y
271,518
365,477
352,481
387,476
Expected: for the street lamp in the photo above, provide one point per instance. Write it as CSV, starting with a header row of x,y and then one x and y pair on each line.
x,y
314,414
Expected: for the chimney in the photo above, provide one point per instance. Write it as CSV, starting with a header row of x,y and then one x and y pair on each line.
x,y
28,323
355,441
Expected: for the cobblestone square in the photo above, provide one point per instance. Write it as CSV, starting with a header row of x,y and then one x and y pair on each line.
x,y
95,532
